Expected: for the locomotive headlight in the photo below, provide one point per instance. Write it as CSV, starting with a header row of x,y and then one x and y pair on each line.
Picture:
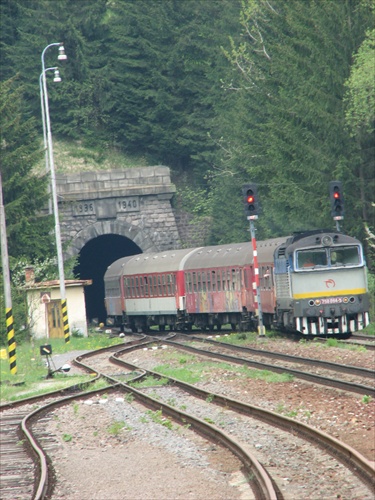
x,y
318,302
327,240
352,300
311,303
345,300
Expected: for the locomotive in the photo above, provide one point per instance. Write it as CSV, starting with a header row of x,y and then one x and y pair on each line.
x,y
312,282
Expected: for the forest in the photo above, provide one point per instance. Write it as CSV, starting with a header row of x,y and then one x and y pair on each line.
x,y
224,92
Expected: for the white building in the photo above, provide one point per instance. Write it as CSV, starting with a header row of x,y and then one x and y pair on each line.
x,y
44,306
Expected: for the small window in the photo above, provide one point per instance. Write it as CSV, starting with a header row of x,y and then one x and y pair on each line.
x,y
194,282
164,285
160,290
213,281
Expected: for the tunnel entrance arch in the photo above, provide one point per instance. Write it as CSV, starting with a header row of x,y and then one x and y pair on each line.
x,y
93,260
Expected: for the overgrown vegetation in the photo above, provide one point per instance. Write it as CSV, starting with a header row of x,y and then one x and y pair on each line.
x,y
32,368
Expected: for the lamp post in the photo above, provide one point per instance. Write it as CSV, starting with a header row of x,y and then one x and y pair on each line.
x,y
50,165
55,79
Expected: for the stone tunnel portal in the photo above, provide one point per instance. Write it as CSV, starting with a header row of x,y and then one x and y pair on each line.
x,y
94,258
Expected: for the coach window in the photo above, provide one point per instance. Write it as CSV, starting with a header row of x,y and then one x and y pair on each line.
x,y
234,280
268,278
208,281
213,281
194,282
160,291
204,283
229,285
169,280
155,286
164,285
199,282
218,276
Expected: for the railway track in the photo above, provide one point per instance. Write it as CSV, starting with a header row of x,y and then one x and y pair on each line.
x,y
265,484
23,463
346,455
220,349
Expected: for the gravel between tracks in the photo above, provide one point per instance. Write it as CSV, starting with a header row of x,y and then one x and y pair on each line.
x,y
91,448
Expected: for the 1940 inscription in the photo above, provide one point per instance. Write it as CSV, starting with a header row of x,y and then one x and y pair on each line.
x,y
130,204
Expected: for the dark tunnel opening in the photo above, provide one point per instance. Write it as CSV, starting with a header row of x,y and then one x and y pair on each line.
x,y
93,260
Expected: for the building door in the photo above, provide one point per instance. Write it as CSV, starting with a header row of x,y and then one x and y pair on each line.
x,y
55,321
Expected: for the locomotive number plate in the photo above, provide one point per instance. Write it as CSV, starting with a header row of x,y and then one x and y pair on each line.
x,y
331,300
130,204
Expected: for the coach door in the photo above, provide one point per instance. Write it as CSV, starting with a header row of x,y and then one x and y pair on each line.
x,y
55,321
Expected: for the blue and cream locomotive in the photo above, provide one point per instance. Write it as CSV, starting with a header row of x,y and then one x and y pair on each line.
x,y
321,284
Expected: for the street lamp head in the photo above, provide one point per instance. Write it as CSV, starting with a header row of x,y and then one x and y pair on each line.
x,y
62,56
57,77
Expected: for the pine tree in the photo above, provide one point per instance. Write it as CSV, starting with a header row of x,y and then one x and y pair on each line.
x,y
289,131
24,192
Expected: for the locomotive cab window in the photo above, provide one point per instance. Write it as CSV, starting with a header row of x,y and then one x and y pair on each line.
x,y
345,256
309,259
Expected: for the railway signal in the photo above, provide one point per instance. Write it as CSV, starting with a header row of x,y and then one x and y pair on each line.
x,y
251,201
337,200
252,209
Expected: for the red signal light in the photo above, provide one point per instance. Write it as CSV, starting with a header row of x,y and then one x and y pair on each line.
x,y
250,199
336,195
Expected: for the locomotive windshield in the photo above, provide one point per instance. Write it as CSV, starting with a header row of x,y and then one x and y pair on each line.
x,y
319,258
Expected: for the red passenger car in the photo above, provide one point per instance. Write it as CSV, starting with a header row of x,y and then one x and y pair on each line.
x,y
204,287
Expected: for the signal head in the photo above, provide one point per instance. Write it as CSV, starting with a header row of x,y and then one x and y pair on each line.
x,y
337,200
251,202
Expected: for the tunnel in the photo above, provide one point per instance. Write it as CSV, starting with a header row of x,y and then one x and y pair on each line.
x,y
93,260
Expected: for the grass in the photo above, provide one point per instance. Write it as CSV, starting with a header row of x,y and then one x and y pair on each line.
x,y
149,381
30,379
73,156
197,370
343,345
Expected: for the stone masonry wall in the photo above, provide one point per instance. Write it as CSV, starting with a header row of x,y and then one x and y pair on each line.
x,y
132,202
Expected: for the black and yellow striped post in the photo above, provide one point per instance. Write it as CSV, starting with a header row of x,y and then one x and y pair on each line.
x,y
64,309
11,341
